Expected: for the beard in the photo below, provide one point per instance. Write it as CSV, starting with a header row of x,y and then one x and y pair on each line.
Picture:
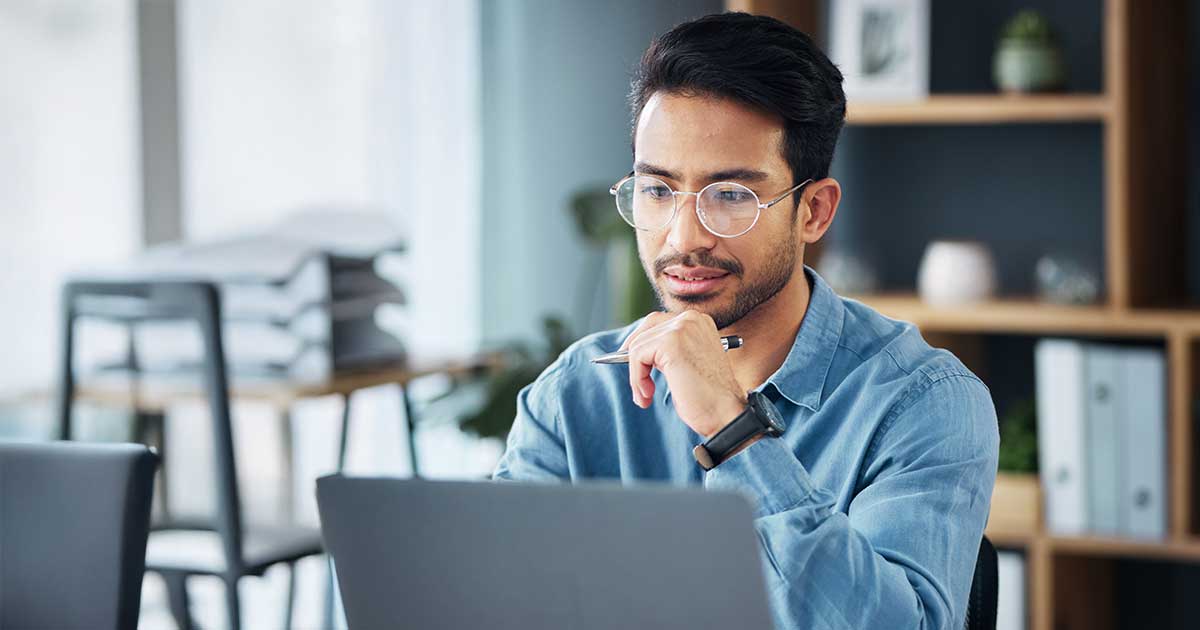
x,y
780,265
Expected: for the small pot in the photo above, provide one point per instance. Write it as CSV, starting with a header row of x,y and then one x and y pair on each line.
x,y
1016,505
1022,66
954,273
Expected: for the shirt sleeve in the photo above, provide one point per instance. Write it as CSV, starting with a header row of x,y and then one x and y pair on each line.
x,y
903,555
535,449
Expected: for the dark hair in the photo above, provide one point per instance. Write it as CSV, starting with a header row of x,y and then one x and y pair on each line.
x,y
757,61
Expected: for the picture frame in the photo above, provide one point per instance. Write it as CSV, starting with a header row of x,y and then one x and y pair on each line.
x,y
882,48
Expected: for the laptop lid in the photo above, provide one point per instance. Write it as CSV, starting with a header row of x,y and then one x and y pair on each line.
x,y
438,554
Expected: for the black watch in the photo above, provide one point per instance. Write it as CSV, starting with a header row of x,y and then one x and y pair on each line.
x,y
759,418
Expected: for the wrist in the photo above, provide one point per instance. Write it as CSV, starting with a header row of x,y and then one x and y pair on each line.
x,y
724,413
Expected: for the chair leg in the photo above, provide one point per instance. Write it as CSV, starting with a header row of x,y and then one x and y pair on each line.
x,y
330,602
233,604
178,597
291,596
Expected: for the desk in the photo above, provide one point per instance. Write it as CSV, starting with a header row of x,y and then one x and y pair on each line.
x,y
149,396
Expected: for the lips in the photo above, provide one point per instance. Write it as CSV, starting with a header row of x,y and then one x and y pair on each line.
x,y
693,280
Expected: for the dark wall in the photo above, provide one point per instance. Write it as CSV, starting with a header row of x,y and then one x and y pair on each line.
x,y
1025,190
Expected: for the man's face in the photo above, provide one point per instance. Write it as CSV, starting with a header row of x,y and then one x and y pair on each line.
x,y
690,142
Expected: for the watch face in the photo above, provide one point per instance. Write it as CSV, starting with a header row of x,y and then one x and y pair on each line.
x,y
767,411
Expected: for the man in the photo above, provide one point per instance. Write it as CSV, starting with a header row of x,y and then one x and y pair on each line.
x,y
870,456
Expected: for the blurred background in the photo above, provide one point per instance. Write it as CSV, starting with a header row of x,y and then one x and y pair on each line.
x,y
403,206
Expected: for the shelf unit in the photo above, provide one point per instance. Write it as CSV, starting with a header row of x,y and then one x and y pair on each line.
x,y
1141,110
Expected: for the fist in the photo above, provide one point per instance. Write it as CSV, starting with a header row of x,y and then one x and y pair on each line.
x,y
687,349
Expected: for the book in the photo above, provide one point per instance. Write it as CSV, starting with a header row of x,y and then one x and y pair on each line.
x,y
1142,496
1103,389
1059,371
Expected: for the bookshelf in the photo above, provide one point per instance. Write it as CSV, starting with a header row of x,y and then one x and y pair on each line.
x,y
1141,111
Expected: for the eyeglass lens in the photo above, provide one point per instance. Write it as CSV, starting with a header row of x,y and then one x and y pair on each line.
x,y
725,208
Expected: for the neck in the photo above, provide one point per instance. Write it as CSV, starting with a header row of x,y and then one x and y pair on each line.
x,y
769,331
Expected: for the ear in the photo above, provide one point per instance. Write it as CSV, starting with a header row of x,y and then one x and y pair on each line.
x,y
820,200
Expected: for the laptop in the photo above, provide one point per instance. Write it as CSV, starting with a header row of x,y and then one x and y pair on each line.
x,y
502,555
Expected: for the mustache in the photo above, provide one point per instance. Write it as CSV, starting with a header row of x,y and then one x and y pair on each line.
x,y
699,258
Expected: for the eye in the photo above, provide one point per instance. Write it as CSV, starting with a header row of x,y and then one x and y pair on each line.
x,y
735,196
656,191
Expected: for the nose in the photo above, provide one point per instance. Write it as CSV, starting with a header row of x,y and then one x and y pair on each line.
x,y
687,232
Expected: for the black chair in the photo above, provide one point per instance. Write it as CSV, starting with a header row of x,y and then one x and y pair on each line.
x,y
981,607
228,549
73,525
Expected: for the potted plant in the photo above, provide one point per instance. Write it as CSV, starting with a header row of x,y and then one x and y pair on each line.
x,y
1017,497
1028,57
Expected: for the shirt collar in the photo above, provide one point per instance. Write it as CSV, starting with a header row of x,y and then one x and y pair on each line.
x,y
801,378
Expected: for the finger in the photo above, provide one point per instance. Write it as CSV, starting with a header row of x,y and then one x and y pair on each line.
x,y
644,355
650,321
641,363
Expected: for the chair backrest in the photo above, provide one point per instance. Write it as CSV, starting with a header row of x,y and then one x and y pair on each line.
x,y
73,525
981,608
185,300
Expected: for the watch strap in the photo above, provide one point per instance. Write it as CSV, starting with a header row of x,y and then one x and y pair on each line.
x,y
724,442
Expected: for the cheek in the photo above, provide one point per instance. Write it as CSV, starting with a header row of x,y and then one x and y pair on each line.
x,y
649,245
756,252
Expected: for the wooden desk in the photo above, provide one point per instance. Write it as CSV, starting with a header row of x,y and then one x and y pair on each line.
x,y
153,393
150,395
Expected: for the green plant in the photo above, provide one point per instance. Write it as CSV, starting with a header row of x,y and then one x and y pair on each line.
x,y
1018,438
521,366
600,225
1028,26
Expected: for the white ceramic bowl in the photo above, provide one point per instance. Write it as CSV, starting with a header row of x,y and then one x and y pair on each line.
x,y
956,273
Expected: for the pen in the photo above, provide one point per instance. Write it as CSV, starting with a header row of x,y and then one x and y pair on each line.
x,y
728,343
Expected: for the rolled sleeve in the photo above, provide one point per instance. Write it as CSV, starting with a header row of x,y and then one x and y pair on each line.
x,y
768,473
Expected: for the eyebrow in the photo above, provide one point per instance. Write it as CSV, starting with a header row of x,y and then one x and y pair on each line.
x,y
732,174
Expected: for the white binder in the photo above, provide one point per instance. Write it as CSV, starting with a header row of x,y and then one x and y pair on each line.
x,y
1060,407
1104,390
1010,598
1143,499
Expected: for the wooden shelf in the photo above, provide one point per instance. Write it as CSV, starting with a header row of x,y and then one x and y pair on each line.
x,y
1187,549
958,109
1030,316
1005,539
1098,547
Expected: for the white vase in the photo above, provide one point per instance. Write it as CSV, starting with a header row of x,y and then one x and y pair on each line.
x,y
956,273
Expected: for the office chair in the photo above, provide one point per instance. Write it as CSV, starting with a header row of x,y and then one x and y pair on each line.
x,y
73,525
981,607
222,547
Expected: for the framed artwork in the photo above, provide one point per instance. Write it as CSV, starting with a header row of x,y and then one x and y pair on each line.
x,y
882,48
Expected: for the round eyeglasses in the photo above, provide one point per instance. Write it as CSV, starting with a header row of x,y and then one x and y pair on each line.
x,y
726,209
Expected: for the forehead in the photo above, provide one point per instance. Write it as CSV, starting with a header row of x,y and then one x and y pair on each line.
x,y
701,134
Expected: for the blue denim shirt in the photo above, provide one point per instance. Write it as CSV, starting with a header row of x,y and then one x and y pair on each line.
x,y
871,504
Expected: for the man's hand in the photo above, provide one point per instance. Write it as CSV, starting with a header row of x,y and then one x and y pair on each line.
x,y
687,350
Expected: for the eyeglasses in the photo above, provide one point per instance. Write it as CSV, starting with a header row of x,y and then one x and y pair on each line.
x,y
726,209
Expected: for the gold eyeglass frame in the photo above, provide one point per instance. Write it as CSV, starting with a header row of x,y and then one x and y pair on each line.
x,y
699,213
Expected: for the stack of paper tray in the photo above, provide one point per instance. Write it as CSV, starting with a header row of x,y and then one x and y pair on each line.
x,y
290,308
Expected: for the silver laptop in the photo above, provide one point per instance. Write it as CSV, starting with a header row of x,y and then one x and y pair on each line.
x,y
437,554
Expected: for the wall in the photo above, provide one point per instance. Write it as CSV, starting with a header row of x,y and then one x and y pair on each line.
x,y
555,77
